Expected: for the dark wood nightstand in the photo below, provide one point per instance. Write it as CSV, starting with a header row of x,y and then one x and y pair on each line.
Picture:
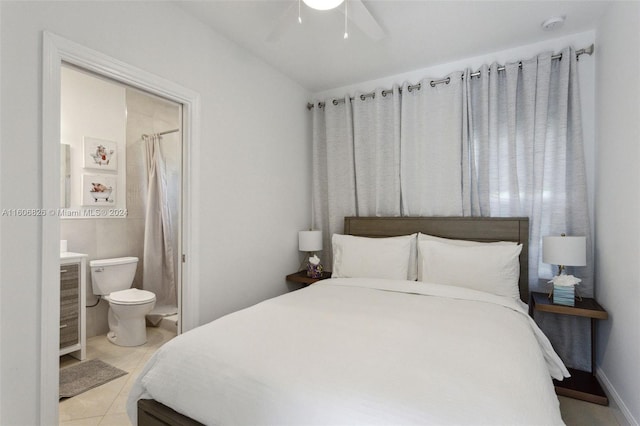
x,y
301,277
582,384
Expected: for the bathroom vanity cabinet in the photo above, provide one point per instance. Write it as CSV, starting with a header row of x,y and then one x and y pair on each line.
x,y
72,304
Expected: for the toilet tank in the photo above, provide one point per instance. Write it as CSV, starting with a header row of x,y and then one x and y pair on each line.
x,y
109,275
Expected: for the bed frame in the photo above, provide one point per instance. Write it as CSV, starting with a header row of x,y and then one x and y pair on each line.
x,y
484,229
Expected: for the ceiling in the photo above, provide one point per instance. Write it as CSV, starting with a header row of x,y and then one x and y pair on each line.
x,y
419,34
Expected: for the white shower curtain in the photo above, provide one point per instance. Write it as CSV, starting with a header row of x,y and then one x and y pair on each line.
x,y
159,268
506,143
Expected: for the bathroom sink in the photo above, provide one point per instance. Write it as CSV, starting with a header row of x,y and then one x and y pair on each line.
x,y
71,255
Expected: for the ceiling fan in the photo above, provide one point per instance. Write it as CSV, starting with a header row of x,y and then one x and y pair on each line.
x,y
355,11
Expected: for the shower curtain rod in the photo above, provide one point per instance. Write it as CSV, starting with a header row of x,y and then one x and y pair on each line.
x,y
587,50
163,133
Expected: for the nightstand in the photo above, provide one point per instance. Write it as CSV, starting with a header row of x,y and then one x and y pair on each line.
x,y
582,384
301,277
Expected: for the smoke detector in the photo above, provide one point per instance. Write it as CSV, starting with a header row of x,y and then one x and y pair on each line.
x,y
553,23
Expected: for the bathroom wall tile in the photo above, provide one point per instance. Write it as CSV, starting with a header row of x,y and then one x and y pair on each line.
x,y
80,235
97,319
154,106
138,124
135,229
112,238
167,112
138,101
136,196
161,125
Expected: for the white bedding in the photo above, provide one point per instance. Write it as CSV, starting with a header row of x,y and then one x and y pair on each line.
x,y
361,351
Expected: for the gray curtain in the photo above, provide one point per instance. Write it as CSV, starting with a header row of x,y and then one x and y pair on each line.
x,y
159,266
525,143
333,171
506,143
431,144
525,134
376,134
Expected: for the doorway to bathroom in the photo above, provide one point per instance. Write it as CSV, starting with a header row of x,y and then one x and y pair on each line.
x,y
58,53
121,189
121,197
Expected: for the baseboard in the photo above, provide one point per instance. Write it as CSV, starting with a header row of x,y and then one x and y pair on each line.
x,y
622,413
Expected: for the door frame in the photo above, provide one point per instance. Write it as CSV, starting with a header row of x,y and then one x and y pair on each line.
x,y
57,50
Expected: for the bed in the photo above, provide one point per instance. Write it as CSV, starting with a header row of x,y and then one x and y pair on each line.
x,y
368,350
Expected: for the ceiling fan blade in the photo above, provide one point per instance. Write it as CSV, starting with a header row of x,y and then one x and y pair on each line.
x,y
362,18
284,22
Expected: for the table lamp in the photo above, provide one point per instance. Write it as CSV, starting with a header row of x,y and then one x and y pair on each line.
x,y
311,242
564,251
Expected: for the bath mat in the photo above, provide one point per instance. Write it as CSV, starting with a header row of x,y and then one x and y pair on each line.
x,y
154,318
86,375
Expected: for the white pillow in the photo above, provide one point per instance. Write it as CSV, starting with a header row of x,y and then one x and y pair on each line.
x,y
493,268
361,257
412,273
465,243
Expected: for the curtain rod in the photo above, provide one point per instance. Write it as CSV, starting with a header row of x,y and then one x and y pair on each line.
x,y
587,50
163,133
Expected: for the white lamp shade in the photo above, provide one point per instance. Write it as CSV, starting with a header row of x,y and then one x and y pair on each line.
x,y
310,241
566,251
323,4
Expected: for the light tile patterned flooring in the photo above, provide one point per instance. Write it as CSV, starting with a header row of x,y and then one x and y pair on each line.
x,y
106,404
581,413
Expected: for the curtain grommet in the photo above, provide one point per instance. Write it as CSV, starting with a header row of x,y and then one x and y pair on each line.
x,y
335,102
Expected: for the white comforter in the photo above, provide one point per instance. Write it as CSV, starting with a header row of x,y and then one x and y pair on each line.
x,y
355,351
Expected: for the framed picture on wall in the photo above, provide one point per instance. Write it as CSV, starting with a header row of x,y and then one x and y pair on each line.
x,y
100,154
99,190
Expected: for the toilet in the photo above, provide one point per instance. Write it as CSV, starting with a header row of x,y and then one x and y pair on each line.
x,y
112,279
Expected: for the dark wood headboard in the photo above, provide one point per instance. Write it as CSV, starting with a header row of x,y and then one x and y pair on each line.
x,y
486,229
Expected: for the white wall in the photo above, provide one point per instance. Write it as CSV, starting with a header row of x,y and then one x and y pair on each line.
x,y
254,159
617,204
95,108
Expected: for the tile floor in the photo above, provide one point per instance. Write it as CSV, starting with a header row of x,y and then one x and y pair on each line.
x,y
581,413
106,404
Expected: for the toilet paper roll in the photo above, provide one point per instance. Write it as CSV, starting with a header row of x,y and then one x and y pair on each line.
x,y
63,246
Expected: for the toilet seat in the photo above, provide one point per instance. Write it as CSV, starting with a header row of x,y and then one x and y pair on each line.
x,y
131,296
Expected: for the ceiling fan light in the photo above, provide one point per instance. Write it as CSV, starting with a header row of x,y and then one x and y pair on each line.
x,y
323,4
